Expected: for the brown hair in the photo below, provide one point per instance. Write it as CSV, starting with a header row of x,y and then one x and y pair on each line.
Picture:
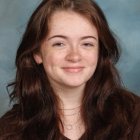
x,y
106,108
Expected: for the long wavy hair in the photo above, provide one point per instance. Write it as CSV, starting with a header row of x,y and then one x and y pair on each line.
x,y
106,106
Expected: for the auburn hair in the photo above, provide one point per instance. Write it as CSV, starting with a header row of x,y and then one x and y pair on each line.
x,y
106,107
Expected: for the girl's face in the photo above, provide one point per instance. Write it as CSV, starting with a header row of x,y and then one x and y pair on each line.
x,y
69,53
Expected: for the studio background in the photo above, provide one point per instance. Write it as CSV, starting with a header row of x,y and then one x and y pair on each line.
x,y
123,17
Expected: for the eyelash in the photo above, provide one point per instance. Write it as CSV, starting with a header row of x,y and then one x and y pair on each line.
x,y
88,44
58,44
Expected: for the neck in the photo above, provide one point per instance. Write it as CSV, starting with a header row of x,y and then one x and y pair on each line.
x,y
69,97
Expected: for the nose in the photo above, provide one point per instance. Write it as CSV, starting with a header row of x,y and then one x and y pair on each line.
x,y
73,55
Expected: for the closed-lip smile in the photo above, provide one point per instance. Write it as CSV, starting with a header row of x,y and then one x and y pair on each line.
x,y
73,69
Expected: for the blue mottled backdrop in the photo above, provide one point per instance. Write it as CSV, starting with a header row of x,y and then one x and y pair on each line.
x,y
124,20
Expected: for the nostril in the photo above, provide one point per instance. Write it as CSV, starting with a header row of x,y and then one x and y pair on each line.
x,y
73,57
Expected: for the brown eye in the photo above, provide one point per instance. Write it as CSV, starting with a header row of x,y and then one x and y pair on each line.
x,y
58,44
88,44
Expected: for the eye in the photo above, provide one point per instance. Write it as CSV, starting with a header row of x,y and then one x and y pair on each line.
x,y
58,44
88,44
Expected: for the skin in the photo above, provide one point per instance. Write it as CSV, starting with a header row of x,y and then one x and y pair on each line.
x,y
69,54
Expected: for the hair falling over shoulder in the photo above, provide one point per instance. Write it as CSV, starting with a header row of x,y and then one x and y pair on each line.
x,y
107,107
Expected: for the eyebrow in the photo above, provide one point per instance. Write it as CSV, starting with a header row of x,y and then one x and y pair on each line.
x,y
65,37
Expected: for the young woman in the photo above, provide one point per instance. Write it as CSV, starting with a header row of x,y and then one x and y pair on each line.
x,y
66,85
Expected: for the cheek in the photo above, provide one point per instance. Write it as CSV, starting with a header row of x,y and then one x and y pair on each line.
x,y
51,60
92,58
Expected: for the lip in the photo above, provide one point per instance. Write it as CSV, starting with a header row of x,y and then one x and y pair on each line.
x,y
73,69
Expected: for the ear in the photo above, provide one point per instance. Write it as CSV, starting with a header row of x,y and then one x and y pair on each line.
x,y
38,58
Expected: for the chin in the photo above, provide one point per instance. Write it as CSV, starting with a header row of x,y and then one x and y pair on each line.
x,y
74,84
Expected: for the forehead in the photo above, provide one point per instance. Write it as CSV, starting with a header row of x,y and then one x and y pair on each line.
x,y
71,23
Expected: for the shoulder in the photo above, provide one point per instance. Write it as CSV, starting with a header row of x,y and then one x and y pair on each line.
x,y
129,105
132,132
136,121
10,124
137,103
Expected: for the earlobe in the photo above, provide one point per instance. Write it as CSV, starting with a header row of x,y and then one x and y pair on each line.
x,y
38,58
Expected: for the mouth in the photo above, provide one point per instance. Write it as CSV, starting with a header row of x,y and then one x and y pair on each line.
x,y
73,69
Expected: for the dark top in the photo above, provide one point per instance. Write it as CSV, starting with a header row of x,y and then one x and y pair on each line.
x,y
9,120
